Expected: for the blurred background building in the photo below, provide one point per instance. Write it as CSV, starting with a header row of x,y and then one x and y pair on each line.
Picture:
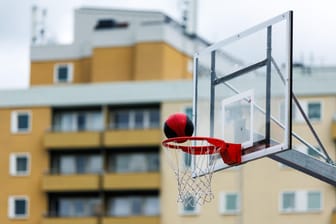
x,y
83,143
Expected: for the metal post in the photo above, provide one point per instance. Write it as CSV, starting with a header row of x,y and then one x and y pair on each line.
x,y
212,92
268,85
195,93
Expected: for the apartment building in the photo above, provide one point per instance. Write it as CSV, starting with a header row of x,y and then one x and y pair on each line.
x,y
83,143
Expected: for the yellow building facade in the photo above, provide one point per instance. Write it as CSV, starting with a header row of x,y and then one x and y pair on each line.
x,y
83,143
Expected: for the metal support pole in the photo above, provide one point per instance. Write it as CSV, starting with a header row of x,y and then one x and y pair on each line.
x,y
268,85
212,93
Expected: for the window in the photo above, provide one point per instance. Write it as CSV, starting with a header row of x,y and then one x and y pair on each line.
x,y
229,203
78,121
314,201
18,207
78,207
134,162
19,164
70,164
63,73
20,121
301,201
190,206
288,201
141,118
134,205
312,109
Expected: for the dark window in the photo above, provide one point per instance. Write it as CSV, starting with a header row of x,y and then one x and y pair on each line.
x,y
21,164
62,74
23,122
20,207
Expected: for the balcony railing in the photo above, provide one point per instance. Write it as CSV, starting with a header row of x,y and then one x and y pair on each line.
x,y
82,182
72,139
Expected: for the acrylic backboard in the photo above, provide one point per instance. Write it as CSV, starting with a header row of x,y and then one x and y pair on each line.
x,y
242,89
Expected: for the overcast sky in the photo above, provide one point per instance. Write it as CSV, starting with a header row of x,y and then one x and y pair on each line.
x,y
314,26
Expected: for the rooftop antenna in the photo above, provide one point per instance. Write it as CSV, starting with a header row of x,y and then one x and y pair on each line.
x,y
38,26
189,16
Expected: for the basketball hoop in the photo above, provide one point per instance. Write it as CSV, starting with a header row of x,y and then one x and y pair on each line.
x,y
193,160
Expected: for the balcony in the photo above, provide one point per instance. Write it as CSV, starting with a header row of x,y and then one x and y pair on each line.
x,y
70,220
129,181
63,140
132,220
82,182
138,137
333,129
105,220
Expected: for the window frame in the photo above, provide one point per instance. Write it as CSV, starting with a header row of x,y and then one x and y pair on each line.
x,y
296,114
133,205
13,164
222,206
69,121
69,74
130,122
127,162
184,212
11,206
301,200
15,122
88,206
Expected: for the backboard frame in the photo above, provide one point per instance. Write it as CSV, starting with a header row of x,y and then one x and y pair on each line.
x,y
267,62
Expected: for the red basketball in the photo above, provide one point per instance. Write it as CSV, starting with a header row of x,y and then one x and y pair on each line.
x,y
178,125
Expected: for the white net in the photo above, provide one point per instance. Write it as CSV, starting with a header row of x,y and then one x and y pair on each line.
x,y
193,160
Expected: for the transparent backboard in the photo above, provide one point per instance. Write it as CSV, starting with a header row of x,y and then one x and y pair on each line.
x,y
242,89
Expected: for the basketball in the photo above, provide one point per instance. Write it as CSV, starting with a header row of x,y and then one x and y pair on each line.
x,y
178,125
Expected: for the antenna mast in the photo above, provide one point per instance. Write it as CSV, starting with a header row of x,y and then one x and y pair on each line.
x,y
189,16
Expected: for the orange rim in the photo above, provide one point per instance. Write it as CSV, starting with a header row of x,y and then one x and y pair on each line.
x,y
214,146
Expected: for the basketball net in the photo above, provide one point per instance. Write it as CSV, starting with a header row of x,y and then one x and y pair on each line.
x,y
193,160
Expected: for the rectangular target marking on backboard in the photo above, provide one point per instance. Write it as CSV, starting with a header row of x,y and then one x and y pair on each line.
x,y
238,119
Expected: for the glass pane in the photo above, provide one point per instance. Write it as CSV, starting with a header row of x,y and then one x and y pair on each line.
x,y
79,206
64,207
119,207
139,119
122,163
95,164
231,202
67,165
188,111
67,121
313,152
62,74
189,204
136,205
154,118
314,200
81,164
187,159
94,207
23,122
21,164
314,111
137,162
95,120
288,201
153,162
81,122
122,120
152,206
20,207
